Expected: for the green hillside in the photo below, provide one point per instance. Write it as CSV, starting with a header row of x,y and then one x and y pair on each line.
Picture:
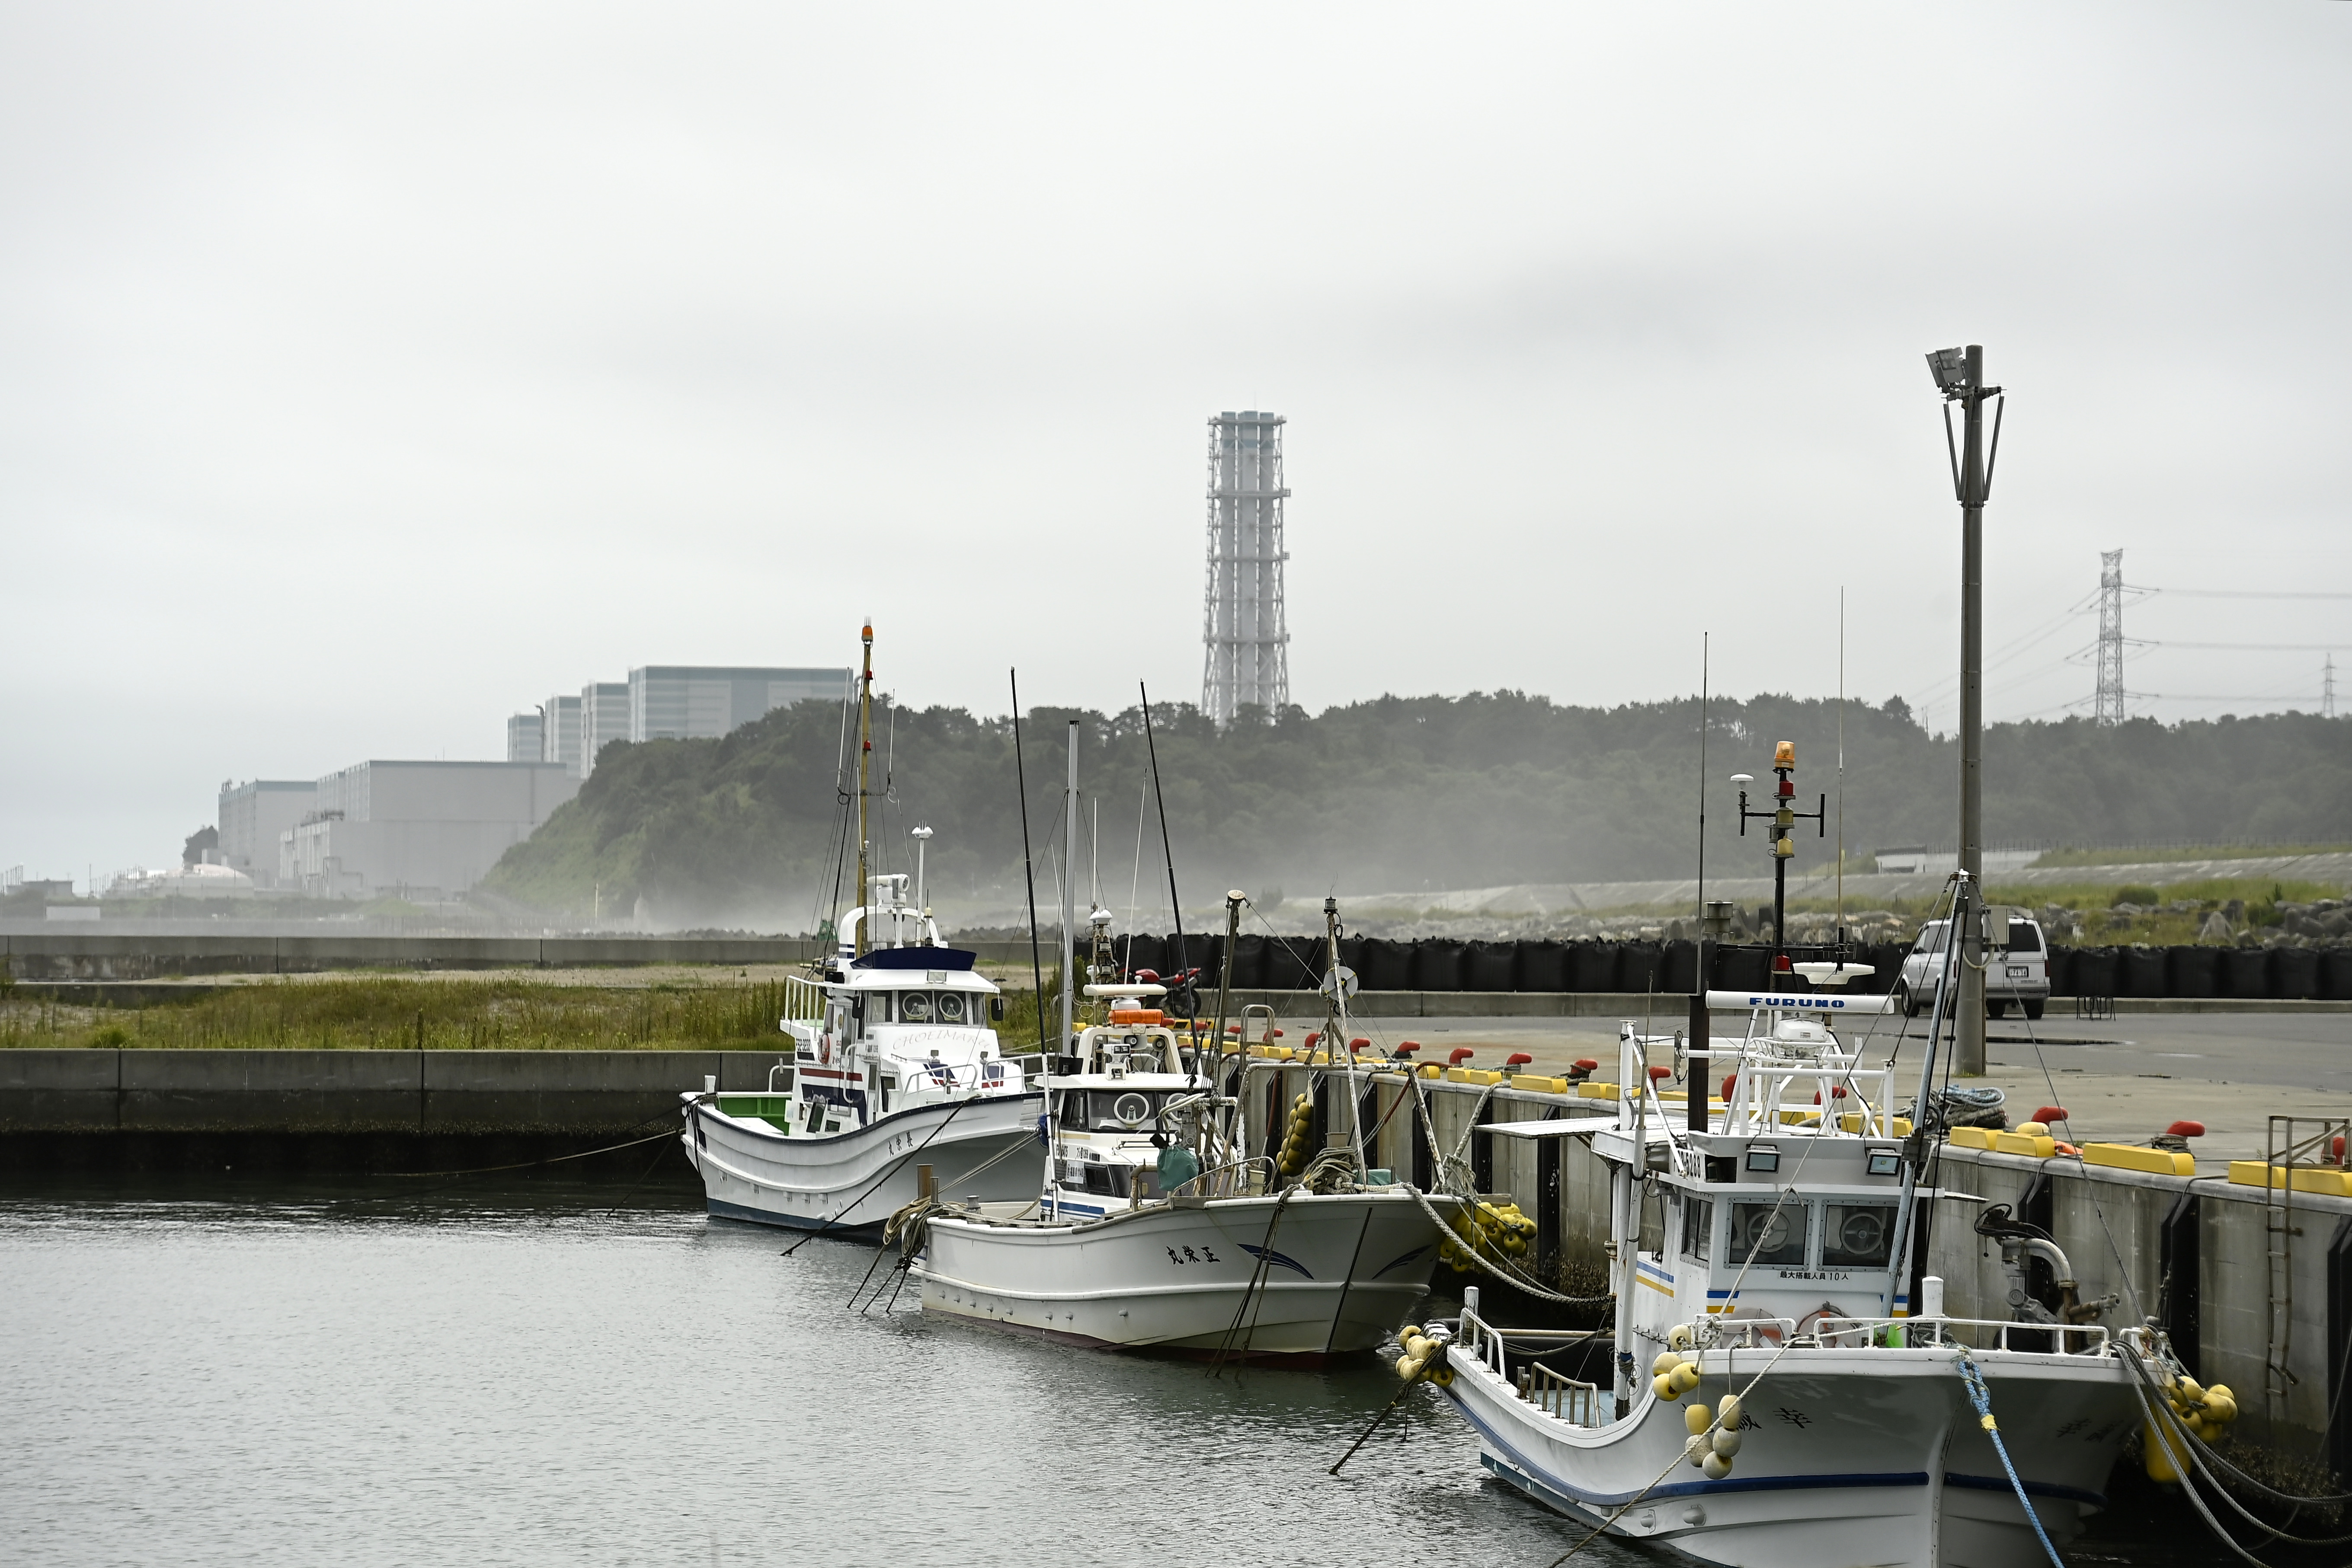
x,y
1399,793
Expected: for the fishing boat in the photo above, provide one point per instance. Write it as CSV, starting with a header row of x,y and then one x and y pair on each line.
x,y
1152,1227
892,1081
1774,1396
1137,1243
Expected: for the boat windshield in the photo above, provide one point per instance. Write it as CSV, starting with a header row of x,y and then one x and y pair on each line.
x,y
1769,1233
1111,1110
934,1007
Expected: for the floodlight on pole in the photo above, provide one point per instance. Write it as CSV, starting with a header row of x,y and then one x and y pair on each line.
x,y
1960,376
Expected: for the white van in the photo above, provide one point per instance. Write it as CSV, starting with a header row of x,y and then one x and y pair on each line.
x,y
2017,972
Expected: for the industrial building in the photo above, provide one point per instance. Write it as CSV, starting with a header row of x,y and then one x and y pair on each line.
x,y
1246,657
252,815
678,702
416,830
560,733
604,718
525,738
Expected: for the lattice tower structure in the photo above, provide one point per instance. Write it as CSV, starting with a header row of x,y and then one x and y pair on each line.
x,y
1245,655
2327,689
2107,700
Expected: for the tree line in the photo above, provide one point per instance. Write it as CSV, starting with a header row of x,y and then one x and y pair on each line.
x,y
1396,794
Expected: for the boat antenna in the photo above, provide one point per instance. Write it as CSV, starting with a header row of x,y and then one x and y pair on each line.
x,y
1135,883
1094,846
1840,782
1175,909
1070,881
1702,789
865,775
1028,866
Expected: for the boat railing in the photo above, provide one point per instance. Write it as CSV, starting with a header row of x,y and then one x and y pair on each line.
x,y
803,1001
1559,1396
1960,1333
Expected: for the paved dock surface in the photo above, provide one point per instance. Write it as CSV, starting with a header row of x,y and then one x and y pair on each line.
x,y
2120,1080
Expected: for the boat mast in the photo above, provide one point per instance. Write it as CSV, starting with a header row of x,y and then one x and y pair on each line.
x,y
1336,1038
1069,886
864,770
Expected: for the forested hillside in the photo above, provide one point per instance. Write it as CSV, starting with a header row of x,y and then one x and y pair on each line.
x,y
1396,794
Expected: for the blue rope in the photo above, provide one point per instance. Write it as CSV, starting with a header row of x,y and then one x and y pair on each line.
x,y
1981,1397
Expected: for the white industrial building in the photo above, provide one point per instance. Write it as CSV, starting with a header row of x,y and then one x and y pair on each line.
x,y
525,738
560,733
252,815
681,702
416,830
604,718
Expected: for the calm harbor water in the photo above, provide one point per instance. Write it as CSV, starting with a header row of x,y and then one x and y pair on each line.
x,y
551,1373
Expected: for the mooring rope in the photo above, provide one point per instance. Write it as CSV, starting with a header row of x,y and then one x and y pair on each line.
x,y
1981,1397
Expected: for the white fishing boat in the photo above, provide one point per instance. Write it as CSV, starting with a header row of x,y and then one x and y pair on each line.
x,y
1775,1398
1133,1246
892,1078
1152,1227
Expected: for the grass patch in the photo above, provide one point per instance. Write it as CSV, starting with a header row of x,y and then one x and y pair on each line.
x,y
390,1013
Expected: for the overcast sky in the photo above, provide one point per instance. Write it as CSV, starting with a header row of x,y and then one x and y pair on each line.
x,y
365,376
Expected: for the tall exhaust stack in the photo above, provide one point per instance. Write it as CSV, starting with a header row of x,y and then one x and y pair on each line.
x,y
1247,652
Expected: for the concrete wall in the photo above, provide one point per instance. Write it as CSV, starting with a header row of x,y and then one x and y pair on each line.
x,y
570,1093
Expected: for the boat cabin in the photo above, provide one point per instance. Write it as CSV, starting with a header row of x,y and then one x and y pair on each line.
x,y
903,1025
1133,1092
1785,1209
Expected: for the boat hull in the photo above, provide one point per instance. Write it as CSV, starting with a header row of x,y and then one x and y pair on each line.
x,y
1248,1278
849,1183
1863,1455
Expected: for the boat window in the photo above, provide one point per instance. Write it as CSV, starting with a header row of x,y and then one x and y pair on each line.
x,y
1698,1225
951,1007
1111,1110
2024,937
1857,1235
1772,1234
914,1006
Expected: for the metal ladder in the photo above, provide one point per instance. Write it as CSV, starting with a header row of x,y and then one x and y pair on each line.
x,y
2286,1150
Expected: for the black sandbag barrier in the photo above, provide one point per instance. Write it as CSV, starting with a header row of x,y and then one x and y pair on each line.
x,y
1436,965
1249,963
2335,974
1743,968
2294,973
1542,965
1202,951
1144,951
2140,972
2093,972
1681,967
2189,971
1489,966
1640,966
2061,967
1382,965
2245,972
1593,965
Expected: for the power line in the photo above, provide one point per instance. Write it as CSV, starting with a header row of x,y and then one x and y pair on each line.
x,y
2256,647
2238,593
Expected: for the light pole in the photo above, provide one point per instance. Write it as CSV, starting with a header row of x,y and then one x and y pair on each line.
x,y
1960,376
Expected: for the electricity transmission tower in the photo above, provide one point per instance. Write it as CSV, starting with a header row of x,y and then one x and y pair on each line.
x,y
2327,689
1246,656
2107,705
